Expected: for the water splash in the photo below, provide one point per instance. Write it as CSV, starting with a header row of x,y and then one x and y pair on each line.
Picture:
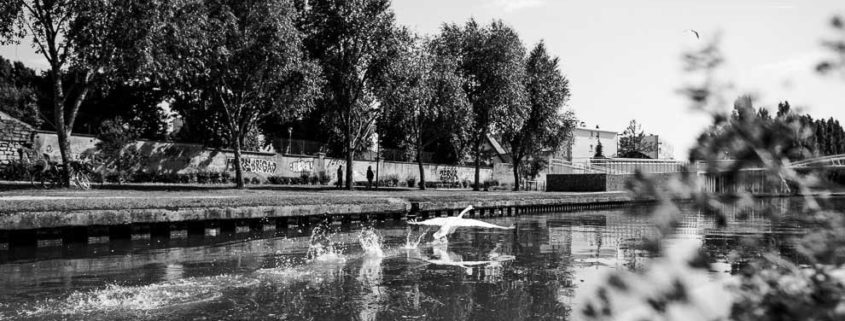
x,y
371,242
139,299
410,244
322,247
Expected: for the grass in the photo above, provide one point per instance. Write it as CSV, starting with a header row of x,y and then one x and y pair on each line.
x,y
170,197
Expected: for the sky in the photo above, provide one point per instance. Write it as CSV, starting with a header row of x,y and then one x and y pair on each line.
x,y
622,57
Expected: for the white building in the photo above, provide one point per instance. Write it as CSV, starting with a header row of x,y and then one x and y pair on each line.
x,y
585,141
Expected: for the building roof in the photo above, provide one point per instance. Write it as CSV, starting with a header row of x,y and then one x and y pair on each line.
x,y
597,130
7,117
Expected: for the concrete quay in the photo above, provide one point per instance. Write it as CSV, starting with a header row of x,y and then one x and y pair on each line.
x,y
60,218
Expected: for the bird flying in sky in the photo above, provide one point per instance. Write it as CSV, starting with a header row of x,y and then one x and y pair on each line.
x,y
695,33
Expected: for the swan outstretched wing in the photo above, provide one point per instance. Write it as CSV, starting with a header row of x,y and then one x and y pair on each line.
x,y
437,221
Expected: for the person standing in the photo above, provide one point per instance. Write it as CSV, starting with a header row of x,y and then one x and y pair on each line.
x,y
370,176
340,176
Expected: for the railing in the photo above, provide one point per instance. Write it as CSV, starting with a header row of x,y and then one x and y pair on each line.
x,y
614,166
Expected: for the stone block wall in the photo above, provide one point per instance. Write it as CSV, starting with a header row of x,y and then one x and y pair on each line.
x,y
594,182
14,136
576,182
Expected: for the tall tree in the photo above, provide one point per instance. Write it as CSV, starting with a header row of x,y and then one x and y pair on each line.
x,y
547,126
246,64
20,92
354,41
493,66
423,99
633,144
90,39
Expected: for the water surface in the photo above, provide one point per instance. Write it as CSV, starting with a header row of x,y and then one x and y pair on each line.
x,y
533,272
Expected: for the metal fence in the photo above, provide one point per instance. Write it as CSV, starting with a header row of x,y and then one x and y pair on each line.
x,y
615,166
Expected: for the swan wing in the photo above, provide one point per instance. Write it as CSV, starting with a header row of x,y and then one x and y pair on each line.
x,y
437,221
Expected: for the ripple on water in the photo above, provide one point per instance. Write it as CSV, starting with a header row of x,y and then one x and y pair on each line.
x,y
140,299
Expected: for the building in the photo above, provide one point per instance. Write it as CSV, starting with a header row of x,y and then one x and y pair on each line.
x,y
661,149
585,140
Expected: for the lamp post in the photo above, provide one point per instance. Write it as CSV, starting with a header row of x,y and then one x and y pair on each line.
x,y
290,141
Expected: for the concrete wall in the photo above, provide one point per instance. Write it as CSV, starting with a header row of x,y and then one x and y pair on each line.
x,y
594,182
14,136
188,158
576,182
168,158
47,143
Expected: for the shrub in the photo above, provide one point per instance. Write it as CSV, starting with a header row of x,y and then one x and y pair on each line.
x,y
411,181
303,177
323,178
313,179
214,177
16,171
202,177
256,181
394,180
225,177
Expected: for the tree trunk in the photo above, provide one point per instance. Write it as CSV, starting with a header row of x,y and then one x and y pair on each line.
x,y
515,175
477,185
62,132
349,163
422,170
239,174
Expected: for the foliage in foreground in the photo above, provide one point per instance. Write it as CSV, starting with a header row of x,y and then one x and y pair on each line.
x,y
677,285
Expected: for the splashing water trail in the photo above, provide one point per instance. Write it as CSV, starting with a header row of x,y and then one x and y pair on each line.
x,y
139,299
370,242
409,244
322,247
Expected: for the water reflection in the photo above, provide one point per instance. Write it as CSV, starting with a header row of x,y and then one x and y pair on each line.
x,y
532,272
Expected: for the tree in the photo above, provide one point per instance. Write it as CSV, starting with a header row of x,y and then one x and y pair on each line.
x,y
546,127
599,151
88,39
246,64
20,92
354,41
492,64
632,144
422,98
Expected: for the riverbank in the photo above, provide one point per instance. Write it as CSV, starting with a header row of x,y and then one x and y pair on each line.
x,y
40,209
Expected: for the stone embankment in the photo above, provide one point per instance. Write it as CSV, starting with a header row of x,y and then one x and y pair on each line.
x,y
100,216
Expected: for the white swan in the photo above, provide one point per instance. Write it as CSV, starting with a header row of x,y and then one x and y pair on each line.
x,y
448,225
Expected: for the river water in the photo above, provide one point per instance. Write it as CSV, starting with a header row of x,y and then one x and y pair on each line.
x,y
532,272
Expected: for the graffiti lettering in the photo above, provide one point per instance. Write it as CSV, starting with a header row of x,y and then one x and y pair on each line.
x,y
254,165
449,174
302,166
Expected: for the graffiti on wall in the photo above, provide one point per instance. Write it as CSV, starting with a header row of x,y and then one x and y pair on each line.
x,y
254,165
448,174
302,166
334,163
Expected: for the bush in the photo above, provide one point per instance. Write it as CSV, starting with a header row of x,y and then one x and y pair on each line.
x,y
214,177
203,177
313,179
16,171
411,181
225,177
303,177
323,178
255,181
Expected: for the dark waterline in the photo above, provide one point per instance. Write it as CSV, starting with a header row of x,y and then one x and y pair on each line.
x,y
533,272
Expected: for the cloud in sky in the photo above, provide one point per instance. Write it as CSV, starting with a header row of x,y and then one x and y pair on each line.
x,y
514,5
